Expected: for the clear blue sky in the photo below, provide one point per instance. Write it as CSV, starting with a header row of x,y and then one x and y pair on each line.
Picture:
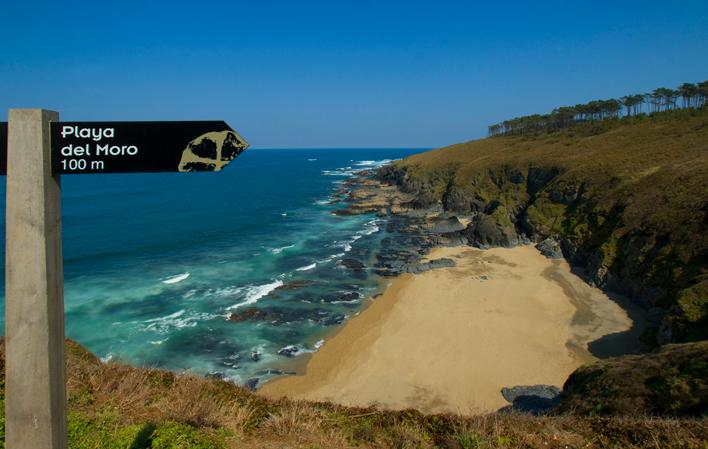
x,y
342,74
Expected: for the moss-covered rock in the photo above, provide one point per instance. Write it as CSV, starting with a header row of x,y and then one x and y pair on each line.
x,y
671,381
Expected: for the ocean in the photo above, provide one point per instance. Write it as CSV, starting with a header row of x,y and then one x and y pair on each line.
x,y
155,264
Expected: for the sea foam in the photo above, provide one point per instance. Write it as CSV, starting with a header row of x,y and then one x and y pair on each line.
x,y
175,279
254,293
281,249
306,267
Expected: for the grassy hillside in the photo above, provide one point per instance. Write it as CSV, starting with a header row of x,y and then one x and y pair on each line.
x,y
627,199
119,407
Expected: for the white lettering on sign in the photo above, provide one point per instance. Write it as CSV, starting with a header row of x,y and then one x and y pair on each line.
x,y
87,133
78,150
115,150
73,154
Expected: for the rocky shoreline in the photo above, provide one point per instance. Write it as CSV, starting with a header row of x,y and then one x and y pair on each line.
x,y
420,223
411,231
415,226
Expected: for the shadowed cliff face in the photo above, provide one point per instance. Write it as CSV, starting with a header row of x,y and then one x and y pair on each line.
x,y
628,205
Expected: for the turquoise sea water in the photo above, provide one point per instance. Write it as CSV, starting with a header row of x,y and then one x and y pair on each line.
x,y
155,264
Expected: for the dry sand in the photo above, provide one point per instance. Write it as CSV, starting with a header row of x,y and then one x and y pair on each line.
x,y
449,339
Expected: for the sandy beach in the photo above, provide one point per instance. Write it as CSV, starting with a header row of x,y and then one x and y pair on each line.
x,y
449,339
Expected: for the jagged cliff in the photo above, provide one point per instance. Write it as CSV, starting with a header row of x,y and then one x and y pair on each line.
x,y
627,201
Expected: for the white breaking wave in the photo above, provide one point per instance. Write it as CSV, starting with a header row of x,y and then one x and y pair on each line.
x,y
306,267
280,250
312,159
254,293
331,258
163,324
359,166
175,279
319,344
166,318
107,358
352,301
338,172
371,228
379,163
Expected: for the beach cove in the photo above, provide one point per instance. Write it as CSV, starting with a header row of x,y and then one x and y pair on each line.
x,y
449,339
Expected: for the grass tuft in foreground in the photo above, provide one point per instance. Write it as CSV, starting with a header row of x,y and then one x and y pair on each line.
x,y
117,406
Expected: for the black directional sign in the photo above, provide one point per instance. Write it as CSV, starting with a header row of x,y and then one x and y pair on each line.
x,y
135,147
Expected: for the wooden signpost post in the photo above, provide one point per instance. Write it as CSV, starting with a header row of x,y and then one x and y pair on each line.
x,y
35,148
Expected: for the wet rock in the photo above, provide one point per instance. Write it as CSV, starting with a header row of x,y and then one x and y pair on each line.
x,y
346,212
340,297
292,285
326,318
251,314
352,264
252,383
425,266
255,356
550,248
274,372
218,375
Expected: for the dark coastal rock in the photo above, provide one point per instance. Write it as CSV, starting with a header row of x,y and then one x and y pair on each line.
x,y
486,232
353,264
255,356
218,375
283,315
340,297
289,351
252,383
295,284
550,248
421,267
442,225
250,314
274,372
232,361
450,239
330,319
455,199
345,212
425,199
534,399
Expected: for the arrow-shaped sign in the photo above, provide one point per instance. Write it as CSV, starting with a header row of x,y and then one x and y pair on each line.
x,y
134,147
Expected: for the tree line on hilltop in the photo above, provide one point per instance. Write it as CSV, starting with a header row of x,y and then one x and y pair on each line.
x,y
660,99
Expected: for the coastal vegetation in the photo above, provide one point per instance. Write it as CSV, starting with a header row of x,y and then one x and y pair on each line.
x,y
660,99
116,406
624,199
